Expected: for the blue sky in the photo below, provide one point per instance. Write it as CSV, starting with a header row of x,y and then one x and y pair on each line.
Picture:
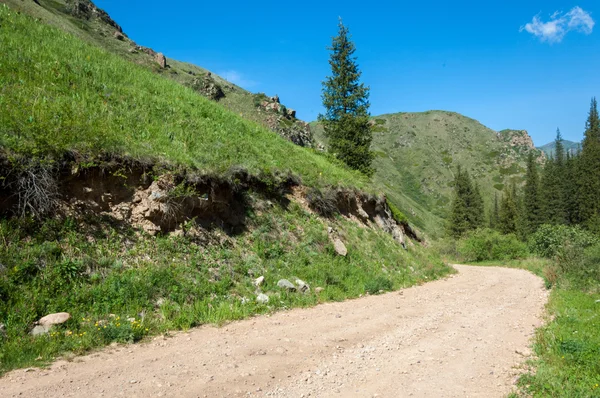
x,y
480,58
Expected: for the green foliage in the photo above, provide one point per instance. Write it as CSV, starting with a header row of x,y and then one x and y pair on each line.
x,y
92,269
379,285
549,240
396,213
508,222
532,212
487,244
588,174
346,101
567,348
467,205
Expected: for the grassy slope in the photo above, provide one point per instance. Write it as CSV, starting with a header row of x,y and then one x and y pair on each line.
x,y
60,94
100,34
417,154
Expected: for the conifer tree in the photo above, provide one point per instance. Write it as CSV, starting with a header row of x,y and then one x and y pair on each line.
x,y
467,205
495,213
532,216
588,173
552,186
570,189
509,212
346,101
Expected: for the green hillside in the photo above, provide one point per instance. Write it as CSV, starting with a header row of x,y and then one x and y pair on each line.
x,y
84,20
61,95
570,146
417,154
138,206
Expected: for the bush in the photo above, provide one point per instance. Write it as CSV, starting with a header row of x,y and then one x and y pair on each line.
x,y
487,244
378,285
549,240
580,267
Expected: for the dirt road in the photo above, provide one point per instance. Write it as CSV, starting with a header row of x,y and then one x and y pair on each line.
x,y
459,337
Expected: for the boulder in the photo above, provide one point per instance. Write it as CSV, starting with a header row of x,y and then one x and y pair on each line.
x,y
340,248
40,330
319,290
54,319
161,60
259,281
302,286
287,285
290,113
262,298
119,36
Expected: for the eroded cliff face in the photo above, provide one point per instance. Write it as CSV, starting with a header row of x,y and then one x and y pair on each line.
x,y
160,201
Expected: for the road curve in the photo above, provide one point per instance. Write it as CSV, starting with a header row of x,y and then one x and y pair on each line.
x,y
462,336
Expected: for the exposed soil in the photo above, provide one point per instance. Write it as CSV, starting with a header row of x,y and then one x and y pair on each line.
x,y
465,336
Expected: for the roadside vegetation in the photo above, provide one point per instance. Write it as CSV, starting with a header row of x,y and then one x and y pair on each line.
x,y
551,228
121,286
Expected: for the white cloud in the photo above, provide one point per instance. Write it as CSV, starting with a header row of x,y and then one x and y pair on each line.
x,y
237,78
560,24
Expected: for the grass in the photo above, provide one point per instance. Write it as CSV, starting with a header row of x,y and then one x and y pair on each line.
x,y
59,94
120,286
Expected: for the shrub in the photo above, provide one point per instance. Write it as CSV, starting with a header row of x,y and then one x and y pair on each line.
x,y
486,244
379,284
324,202
548,240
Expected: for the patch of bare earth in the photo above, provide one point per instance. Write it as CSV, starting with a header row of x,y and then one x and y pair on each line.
x,y
465,336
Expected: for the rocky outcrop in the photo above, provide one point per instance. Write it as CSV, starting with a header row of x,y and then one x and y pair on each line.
x,y
208,87
85,9
283,120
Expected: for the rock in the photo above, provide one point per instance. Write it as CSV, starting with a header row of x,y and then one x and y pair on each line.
x,y
259,281
340,248
287,285
119,36
54,319
40,330
302,286
319,290
290,113
161,60
262,298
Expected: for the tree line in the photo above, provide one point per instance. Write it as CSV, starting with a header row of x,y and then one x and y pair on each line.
x,y
564,191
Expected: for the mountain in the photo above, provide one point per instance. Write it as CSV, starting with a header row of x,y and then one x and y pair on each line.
x,y
417,155
84,20
571,146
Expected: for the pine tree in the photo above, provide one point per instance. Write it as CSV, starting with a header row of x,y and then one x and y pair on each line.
x,y
509,212
552,186
588,173
346,101
467,205
495,213
532,216
570,189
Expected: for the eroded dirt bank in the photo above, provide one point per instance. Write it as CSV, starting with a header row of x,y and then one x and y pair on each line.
x,y
459,337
